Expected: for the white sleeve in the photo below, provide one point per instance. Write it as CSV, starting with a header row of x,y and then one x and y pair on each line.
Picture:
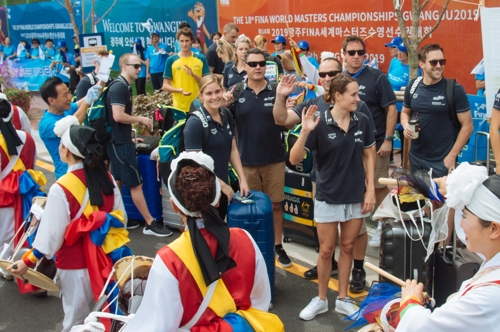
x,y
161,308
118,202
260,296
310,71
476,311
25,121
55,220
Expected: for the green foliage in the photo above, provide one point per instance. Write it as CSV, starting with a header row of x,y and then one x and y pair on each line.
x,y
16,96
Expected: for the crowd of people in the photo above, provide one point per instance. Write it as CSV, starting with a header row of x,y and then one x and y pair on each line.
x,y
246,97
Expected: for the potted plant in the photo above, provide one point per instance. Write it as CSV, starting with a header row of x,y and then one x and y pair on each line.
x,y
18,97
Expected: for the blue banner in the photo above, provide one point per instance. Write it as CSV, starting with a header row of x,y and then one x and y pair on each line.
x,y
30,74
41,20
478,110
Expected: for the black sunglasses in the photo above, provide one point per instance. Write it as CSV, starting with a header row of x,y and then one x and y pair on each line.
x,y
434,63
353,52
136,66
254,64
332,73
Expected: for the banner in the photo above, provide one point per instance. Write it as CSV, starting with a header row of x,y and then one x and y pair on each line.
x,y
325,24
490,23
40,20
479,111
122,24
3,25
30,74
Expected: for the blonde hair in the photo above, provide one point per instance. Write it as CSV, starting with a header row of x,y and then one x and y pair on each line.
x,y
243,39
259,41
125,58
227,49
206,80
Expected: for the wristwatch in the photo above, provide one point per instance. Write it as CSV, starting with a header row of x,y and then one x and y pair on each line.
x,y
388,138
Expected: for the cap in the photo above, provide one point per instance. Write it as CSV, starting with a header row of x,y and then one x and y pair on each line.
x,y
155,32
61,43
303,45
394,42
279,39
402,47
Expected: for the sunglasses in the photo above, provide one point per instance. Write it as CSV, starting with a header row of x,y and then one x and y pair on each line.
x,y
136,66
434,63
254,64
353,52
332,73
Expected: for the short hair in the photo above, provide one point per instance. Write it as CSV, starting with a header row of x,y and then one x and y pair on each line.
x,y
259,41
230,27
183,25
226,48
49,40
353,39
125,58
422,54
49,88
338,84
254,51
35,40
196,40
243,39
102,53
339,64
217,33
24,41
185,32
208,79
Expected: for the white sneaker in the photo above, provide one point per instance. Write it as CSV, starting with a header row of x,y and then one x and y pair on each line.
x,y
375,240
346,306
315,307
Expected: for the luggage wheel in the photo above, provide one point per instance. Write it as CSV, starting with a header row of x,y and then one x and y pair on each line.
x,y
286,239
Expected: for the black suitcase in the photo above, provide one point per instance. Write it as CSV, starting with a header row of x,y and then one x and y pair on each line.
x,y
452,267
298,210
489,164
403,257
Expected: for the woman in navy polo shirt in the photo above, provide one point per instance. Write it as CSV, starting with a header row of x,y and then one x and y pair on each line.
x,y
221,144
342,140
234,72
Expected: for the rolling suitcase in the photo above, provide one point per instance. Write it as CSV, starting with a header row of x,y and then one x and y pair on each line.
x,y
170,218
452,266
255,215
489,164
403,257
298,210
150,181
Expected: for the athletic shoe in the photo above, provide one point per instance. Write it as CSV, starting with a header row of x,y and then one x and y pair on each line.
x,y
133,224
315,307
313,273
375,240
157,229
283,258
346,306
358,281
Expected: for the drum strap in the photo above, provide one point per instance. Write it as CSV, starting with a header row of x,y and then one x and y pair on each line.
x,y
76,187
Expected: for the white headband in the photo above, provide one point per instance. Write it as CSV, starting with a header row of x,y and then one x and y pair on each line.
x,y
61,129
485,204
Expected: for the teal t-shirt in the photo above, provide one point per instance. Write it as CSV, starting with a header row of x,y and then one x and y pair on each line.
x,y
156,59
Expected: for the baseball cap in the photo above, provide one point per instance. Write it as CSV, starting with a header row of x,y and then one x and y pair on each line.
x,y
303,45
279,39
61,43
394,42
402,47
155,32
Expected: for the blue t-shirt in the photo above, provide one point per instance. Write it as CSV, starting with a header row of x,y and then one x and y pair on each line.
x,y
9,50
50,53
51,141
23,55
480,92
313,61
35,53
156,59
394,62
70,59
399,75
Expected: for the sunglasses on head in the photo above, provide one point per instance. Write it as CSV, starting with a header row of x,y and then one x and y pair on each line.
x,y
136,66
332,73
353,52
434,63
254,64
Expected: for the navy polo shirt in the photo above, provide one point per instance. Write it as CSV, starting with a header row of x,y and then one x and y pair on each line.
x,y
231,75
339,158
258,136
376,91
219,142
496,104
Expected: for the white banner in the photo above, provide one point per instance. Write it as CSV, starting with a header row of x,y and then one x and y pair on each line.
x,y
490,26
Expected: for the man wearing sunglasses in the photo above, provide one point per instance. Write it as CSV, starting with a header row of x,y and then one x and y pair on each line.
x,y
329,68
438,144
376,91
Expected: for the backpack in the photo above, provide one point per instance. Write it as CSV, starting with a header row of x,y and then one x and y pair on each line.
x,y
172,142
93,81
306,165
97,116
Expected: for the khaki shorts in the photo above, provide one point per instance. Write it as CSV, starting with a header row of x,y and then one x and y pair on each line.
x,y
268,178
381,170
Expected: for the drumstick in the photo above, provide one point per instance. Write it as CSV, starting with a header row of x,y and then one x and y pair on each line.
x,y
392,182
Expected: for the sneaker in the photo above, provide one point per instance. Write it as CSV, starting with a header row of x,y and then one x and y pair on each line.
x,y
358,281
133,224
313,273
346,306
283,258
157,229
375,240
315,307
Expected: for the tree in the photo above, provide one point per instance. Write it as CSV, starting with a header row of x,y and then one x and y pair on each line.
x,y
70,6
94,19
416,10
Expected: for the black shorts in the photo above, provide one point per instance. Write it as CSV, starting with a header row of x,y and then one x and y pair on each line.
x,y
438,167
124,166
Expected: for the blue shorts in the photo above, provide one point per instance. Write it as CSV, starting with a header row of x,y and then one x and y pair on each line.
x,y
124,166
438,167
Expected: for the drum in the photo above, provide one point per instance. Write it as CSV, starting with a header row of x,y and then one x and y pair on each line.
x,y
35,277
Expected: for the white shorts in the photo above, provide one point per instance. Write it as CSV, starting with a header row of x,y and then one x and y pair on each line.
x,y
324,212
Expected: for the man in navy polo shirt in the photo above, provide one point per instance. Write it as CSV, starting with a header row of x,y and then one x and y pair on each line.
x,y
229,33
259,141
376,91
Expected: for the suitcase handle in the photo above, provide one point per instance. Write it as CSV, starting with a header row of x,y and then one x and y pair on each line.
x,y
487,135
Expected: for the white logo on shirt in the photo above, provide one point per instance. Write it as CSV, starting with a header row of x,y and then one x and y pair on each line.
x,y
268,98
230,75
213,131
358,140
359,132
241,100
415,96
332,136
438,98
362,87
268,104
